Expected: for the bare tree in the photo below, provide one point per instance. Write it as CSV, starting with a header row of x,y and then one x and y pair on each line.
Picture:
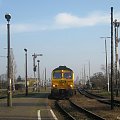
x,y
12,68
103,68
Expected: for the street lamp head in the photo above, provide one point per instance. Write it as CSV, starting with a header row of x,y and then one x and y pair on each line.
x,y
38,60
25,50
7,17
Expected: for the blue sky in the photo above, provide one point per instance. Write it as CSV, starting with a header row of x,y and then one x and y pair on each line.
x,y
66,32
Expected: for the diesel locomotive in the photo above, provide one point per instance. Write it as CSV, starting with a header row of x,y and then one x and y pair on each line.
x,y
62,81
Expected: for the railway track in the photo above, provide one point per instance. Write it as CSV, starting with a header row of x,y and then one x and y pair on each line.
x,y
63,111
98,98
72,111
2,97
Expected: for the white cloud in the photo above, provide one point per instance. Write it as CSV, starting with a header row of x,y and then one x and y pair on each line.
x,y
27,27
68,20
63,21
20,28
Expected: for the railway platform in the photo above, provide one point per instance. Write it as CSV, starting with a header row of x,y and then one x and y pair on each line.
x,y
32,107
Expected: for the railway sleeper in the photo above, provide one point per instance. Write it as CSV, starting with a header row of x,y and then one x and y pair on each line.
x,y
64,112
90,114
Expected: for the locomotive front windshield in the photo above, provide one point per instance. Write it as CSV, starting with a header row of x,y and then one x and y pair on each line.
x,y
68,75
57,75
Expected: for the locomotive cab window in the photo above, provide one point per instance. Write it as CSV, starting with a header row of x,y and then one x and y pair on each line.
x,y
57,75
68,75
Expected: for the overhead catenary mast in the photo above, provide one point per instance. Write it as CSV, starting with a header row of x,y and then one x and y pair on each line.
x,y
116,25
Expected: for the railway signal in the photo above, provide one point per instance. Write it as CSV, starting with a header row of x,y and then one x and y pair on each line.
x,y
34,57
34,65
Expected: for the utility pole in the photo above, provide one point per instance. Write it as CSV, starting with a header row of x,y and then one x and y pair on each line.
x,y
84,76
45,79
107,78
89,75
112,73
89,69
116,25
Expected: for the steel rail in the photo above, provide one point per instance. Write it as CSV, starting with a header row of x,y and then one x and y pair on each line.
x,y
69,116
89,113
98,98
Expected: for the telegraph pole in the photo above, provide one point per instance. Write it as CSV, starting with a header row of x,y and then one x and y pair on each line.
x,y
116,25
89,69
112,75
89,75
106,62
45,79
84,75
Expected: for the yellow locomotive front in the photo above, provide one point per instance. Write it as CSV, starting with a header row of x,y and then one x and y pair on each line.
x,y
62,81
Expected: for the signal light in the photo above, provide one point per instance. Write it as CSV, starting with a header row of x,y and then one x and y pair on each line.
x,y
34,69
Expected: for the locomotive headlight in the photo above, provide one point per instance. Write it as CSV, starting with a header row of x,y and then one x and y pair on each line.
x,y
53,85
71,86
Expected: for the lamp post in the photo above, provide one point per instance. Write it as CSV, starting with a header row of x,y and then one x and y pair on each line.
x,y
26,71
9,89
